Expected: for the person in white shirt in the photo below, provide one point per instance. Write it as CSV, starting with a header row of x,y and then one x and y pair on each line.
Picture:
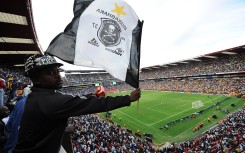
x,y
26,90
2,88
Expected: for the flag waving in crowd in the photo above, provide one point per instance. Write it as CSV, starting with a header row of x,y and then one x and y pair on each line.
x,y
103,34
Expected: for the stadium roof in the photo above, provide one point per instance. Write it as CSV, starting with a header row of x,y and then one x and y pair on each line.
x,y
214,55
18,37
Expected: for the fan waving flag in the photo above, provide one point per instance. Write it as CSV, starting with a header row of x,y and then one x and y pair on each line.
x,y
103,34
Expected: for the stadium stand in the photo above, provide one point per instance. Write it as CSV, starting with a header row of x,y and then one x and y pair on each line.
x,y
219,85
228,80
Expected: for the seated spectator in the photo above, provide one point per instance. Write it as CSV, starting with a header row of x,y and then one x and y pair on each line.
x,y
2,88
4,112
12,126
26,90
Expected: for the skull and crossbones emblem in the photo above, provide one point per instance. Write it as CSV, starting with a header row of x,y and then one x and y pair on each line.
x,y
110,32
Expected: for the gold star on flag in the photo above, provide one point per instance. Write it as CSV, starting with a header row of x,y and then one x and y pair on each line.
x,y
119,10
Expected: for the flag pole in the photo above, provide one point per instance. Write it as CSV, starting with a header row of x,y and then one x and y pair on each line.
x,y
138,105
138,102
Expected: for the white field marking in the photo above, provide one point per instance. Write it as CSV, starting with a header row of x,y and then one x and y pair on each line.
x,y
183,105
158,111
150,108
211,100
172,101
132,123
234,102
163,93
175,100
152,93
205,102
180,107
143,123
173,115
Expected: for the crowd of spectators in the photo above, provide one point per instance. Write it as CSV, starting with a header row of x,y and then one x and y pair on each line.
x,y
227,136
223,64
95,135
86,78
15,81
214,85
208,84
78,90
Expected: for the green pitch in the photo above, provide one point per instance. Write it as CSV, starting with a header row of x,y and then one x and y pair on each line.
x,y
156,109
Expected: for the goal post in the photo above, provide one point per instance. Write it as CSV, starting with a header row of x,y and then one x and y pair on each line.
x,y
197,104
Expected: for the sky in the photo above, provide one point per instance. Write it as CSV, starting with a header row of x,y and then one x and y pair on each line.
x,y
173,30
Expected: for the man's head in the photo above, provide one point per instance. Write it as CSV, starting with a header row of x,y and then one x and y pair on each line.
x,y
44,71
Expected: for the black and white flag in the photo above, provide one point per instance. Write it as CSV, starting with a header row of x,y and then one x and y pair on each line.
x,y
103,34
